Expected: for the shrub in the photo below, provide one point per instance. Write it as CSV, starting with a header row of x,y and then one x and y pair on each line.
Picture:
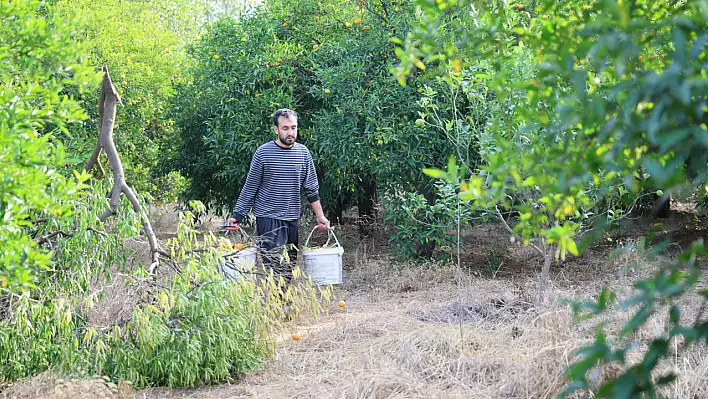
x,y
187,327
419,227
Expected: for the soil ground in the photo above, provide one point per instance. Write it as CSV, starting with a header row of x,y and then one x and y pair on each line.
x,y
467,329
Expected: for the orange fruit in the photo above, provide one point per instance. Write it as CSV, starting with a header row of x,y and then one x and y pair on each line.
x,y
341,304
641,58
519,6
217,56
398,9
280,60
367,27
296,337
420,90
357,21
239,246
315,47
285,24
154,119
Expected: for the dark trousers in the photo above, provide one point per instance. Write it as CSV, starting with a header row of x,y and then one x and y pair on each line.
x,y
276,237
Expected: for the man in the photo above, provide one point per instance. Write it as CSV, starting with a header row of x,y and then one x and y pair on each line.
x,y
279,170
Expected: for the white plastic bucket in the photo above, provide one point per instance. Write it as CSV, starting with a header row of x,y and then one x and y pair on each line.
x,y
324,265
240,265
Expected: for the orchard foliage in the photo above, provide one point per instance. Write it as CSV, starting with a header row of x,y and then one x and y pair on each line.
x,y
39,61
187,327
330,61
141,43
617,101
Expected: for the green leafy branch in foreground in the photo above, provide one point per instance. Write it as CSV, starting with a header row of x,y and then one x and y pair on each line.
x,y
618,102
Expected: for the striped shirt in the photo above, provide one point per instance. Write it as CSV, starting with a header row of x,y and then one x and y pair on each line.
x,y
275,181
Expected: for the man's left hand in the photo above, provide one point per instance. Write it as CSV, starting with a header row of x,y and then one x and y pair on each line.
x,y
322,223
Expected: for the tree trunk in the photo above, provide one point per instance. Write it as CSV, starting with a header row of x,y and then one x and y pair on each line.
x,y
367,201
662,206
545,273
107,104
426,250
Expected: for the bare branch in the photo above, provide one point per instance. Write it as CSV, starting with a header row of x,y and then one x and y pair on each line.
x,y
47,238
99,232
107,105
94,157
540,251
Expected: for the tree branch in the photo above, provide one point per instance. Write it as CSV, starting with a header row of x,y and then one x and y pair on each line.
x,y
99,232
47,238
540,251
107,104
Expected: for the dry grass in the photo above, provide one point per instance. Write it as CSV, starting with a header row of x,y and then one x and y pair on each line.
x,y
49,385
424,331
433,332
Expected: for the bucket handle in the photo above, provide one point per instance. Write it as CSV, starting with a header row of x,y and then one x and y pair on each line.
x,y
229,228
329,236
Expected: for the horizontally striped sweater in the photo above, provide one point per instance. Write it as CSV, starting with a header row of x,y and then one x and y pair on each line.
x,y
274,183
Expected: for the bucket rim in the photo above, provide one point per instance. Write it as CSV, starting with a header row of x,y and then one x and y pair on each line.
x,y
246,252
338,250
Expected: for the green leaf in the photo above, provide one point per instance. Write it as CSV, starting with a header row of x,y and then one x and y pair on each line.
x,y
435,173
666,379
452,168
638,319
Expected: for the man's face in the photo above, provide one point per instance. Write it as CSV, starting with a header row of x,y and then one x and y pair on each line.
x,y
286,129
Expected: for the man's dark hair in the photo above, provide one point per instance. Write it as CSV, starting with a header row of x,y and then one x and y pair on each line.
x,y
283,112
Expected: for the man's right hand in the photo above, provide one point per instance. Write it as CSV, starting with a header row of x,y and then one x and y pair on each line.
x,y
234,222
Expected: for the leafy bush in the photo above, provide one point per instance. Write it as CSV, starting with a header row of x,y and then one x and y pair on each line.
x,y
188,327
418,226
38,62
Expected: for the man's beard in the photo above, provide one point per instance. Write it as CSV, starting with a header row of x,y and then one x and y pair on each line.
x,y
287,140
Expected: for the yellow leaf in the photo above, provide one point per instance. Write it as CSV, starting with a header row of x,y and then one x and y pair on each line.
x,y
572,248
457,65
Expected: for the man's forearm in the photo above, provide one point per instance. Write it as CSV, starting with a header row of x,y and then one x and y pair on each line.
x,y
317,207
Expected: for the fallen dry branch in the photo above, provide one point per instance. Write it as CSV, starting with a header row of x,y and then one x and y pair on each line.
x,y
107,104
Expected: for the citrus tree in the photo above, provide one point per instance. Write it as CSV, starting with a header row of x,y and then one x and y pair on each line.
x,y
142,44
331,63
618,93
38,63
